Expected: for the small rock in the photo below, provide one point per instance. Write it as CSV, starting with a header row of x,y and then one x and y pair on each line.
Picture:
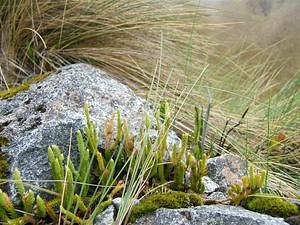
x,y
210,185
293,220
106,217
226,170
208,215
296,202
218,196
117,202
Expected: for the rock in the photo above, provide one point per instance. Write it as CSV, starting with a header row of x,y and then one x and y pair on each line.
x,y
106,217
218,196
117,202
208,215
210,185
293,220
296,202
226,170
44,115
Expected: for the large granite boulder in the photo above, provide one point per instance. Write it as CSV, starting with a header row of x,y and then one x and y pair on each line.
x,y
208,215
44,115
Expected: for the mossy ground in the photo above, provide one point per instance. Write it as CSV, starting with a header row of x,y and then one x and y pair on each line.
x,y
273,206
171,200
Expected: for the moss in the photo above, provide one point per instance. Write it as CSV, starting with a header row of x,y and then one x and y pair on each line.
x,y
13,91
38,78
171,200
3,141
23,87
3,167
3,162
271,205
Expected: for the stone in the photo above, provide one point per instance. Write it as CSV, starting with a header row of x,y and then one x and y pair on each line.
x,y
44,115
210,185
218,196
226,170
295,201
293,220
117,202
106,217
208,215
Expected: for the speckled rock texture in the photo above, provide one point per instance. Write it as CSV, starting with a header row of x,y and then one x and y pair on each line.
x,y
210,185
226,170
106,217
45,114
208,215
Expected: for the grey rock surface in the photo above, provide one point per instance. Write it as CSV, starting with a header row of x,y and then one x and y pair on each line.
x,y
226,170
208,215
210,185
117,202
44,115
106,217
218,196
293,220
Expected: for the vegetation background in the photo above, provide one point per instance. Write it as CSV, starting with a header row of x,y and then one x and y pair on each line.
x,y
241,57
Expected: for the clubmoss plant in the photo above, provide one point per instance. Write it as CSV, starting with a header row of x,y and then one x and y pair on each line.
x,y
251,184
30,205
69,194
174,165
123,166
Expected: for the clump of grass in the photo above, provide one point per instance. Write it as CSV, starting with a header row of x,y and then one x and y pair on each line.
x,y
122,37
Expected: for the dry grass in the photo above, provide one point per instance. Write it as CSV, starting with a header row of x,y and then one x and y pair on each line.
x,y
122,37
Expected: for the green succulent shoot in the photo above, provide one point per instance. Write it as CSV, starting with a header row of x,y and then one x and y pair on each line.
x,y
250,185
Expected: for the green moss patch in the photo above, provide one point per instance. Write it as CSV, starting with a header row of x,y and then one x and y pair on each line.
x,y
13,91
23,87
273,206
3,166
3,141
3,162
171,200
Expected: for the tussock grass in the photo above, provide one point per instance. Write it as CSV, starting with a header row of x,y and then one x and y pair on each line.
x,y
122,37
